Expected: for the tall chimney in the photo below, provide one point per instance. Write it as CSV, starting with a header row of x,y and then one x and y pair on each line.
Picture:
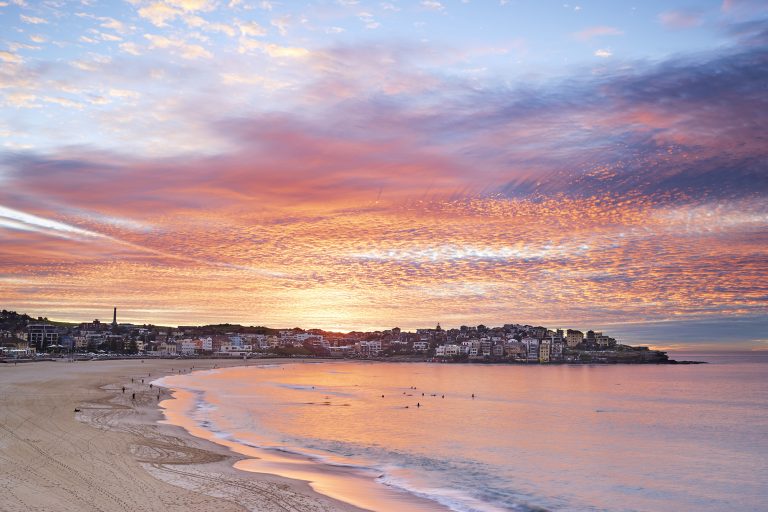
x,y
114,317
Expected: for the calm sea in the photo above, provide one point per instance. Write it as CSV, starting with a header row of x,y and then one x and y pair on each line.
x,y
645,438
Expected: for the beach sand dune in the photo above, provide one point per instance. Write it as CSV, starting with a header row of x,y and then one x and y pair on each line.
x,y
112,455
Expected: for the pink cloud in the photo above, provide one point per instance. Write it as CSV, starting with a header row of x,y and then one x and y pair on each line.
x,y
680,19
592,32
747,6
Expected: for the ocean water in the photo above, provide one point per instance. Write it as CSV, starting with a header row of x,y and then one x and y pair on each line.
x,y
618,437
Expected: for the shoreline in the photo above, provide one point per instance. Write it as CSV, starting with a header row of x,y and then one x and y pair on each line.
x,y
72,440
353,486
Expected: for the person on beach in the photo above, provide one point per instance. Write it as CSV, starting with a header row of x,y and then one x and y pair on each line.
x,y
123,389
133,396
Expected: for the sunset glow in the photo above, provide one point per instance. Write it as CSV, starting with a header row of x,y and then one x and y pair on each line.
x,y
353,165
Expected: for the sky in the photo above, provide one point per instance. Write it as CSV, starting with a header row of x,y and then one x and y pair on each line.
x,y
355,165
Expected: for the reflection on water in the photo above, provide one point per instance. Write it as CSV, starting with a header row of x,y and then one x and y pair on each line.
x,y
558,437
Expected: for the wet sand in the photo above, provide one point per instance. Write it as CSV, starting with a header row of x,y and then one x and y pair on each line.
x,y
353,485
113,454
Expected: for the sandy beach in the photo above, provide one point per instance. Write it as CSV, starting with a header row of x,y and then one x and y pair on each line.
x,y
113,454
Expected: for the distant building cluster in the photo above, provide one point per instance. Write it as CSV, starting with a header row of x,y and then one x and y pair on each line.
x,y
511,342
523,343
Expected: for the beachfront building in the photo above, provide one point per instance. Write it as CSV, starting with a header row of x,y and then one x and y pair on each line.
x,y
603,341
81,343
17,353
217,340
573,338
42,335
15,344
318,346
343,351
452,350
556,349
544,351
304,336
532,348
515,350
167,348
449,350
206,344
93,340
115,343
370,348
188,347
231,350
260,340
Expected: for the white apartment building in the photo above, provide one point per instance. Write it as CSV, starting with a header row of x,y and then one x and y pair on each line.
x,y
233,350
532,346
